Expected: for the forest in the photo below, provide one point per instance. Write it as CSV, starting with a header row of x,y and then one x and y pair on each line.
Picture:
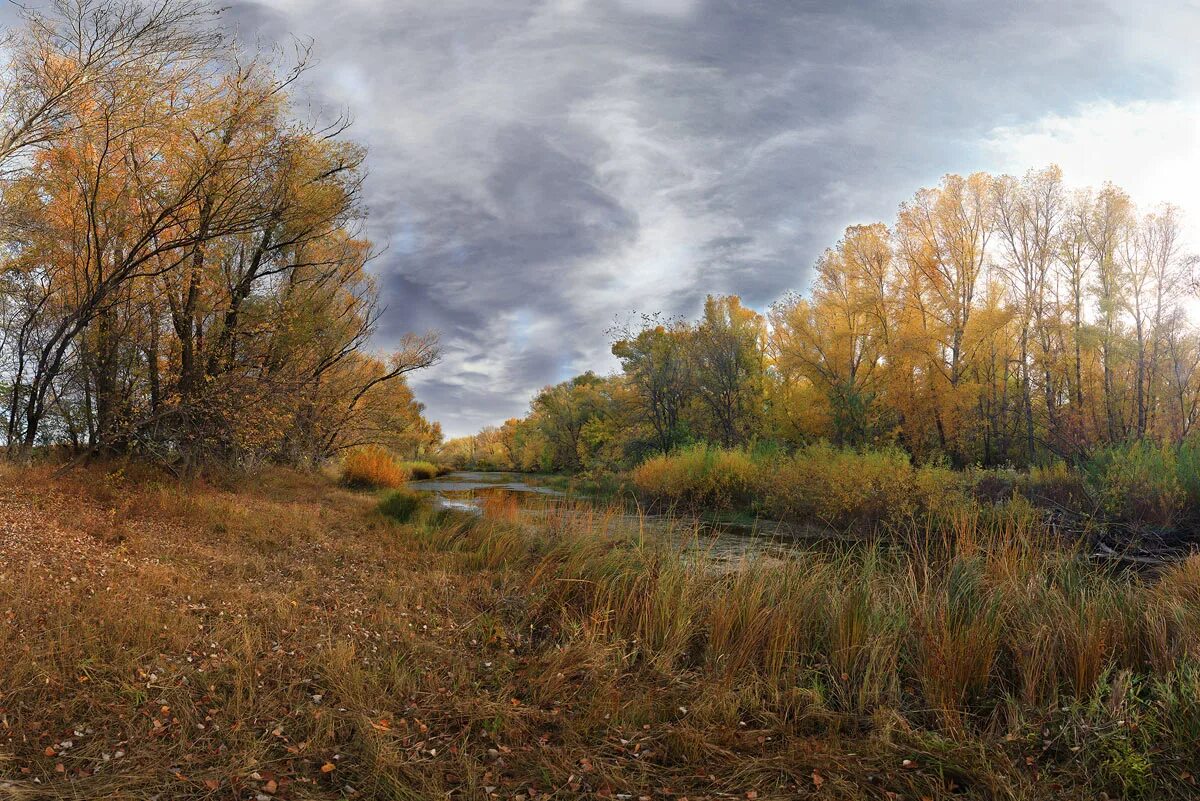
x,y
998,320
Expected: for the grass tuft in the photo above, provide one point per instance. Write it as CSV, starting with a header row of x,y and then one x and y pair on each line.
x,y
372,467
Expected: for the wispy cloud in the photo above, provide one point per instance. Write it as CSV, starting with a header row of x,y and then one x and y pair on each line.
x,y
540,167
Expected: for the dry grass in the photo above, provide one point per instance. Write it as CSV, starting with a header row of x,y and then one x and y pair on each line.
x,y
838,487
290,641
372,467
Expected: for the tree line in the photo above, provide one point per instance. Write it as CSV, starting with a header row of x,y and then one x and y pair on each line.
x,y
183,266
997,320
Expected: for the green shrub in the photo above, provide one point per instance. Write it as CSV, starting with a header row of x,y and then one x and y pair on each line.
x,y
401,505
1187,470
419,471
1139,482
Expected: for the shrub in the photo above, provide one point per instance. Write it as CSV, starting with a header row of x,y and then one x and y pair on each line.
x,y
419,471
371,467
1187,470
1056,485
842,488
699,477
1139,483
993,485
401,505
936,487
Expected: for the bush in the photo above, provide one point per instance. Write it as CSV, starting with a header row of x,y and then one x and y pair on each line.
x,y
842,488
371,467
419,471
699,477
1056,485
1187,470
1139,483
993,485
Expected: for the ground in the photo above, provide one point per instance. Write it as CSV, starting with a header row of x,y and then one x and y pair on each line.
x,y
279,638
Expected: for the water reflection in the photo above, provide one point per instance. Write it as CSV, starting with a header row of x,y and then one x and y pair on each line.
x,y
721,542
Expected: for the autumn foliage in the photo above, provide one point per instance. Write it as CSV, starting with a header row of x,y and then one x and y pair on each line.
x,y
184,273
841,488
372,467
998,320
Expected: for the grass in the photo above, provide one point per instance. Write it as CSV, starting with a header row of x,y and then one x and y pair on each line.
x,y
842,488
1134,486
401,505
419,471
372,467
295,640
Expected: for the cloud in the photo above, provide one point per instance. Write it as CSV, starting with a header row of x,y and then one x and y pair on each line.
x,y
1149,148
539,167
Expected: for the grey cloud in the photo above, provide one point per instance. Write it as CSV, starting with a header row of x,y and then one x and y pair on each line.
x,y
540,167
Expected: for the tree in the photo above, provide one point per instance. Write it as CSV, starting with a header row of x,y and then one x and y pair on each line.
x,y
839,340
656,363
1029,214
185,276
943,235
730,367
1108,228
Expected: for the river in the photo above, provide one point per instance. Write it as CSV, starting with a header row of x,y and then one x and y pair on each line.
x,y
721,541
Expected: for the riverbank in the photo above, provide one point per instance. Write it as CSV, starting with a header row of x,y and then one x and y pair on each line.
x,y
288,640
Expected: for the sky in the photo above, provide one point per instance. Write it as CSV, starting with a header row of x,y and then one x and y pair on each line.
x,y
543,169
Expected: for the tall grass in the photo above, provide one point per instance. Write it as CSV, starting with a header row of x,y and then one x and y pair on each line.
x,y
420,471
842,488
372,467
402,504
983,615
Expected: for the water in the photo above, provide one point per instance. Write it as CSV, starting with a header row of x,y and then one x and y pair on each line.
x,y
468,484
464,491
718,541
